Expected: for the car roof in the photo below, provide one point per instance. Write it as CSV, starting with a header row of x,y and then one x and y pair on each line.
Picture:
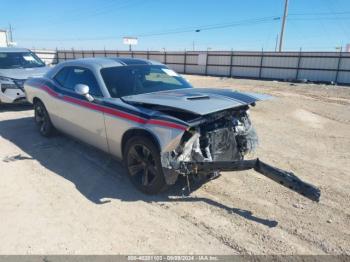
x,y
103,62
13,50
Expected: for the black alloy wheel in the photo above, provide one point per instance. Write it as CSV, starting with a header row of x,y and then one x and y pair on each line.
x,y
143,164
42,119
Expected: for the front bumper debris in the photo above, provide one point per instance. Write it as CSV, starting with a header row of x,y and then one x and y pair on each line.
x,y
284,178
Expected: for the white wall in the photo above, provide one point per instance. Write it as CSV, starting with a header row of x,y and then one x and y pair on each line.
x,y
313,66
3,39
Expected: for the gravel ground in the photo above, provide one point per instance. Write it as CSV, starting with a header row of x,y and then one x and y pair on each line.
x,y
59,196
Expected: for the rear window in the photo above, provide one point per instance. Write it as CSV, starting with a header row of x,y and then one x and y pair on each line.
x,y
139,79
62,76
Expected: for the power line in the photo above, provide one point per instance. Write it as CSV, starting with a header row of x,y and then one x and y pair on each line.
x,y
97,12
206,28
330,8
78,11
192,29
320,18
107,9
322,13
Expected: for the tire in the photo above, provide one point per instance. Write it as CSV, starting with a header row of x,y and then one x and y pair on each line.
x,y
142,160
42,119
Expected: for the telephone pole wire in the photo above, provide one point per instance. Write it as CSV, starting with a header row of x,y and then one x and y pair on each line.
x,y
283,25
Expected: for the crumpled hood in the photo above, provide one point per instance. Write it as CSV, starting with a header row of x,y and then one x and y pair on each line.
x,y
24,73
201,101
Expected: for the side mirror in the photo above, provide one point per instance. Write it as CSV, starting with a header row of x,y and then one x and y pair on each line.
x,y
83,90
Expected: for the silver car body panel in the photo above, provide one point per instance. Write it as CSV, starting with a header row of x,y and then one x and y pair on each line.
x,y
167,137
104,122
200,101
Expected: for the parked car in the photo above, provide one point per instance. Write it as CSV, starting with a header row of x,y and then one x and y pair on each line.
x,y
152,118
16,66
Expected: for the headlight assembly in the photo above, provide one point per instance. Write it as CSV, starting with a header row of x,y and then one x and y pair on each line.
x,y
7,83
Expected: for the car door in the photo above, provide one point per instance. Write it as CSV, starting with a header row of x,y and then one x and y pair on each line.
x,y
76,115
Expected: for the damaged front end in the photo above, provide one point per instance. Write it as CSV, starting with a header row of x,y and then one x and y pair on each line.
x,y
219,142
222,136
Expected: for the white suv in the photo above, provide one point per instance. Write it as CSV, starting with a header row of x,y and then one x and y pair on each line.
x,y
16,66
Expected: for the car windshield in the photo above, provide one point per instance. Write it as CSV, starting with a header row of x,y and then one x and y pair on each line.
x,y
139,79
13,60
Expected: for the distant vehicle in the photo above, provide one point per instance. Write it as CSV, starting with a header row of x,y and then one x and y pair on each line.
x,y
152,118
16,66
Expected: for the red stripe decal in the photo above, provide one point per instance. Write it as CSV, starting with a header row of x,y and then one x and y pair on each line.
x,y
50,91
113,112
105,109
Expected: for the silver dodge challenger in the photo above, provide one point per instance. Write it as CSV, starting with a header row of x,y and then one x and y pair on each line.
x,y
147,115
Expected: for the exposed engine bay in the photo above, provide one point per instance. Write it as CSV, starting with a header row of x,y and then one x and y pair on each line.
x,y
223,136
229,138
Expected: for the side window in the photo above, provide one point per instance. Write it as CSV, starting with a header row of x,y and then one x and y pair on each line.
x,y
61,76
78,75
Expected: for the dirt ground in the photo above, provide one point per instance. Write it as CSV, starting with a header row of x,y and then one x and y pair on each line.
x,y
58,196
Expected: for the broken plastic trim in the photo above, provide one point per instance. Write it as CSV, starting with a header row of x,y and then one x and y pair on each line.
x,y
287,179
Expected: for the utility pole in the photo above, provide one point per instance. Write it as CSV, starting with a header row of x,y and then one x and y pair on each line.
x,y
10,33
283,25
276,43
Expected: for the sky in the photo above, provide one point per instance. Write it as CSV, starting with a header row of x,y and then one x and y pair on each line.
x,y
172,24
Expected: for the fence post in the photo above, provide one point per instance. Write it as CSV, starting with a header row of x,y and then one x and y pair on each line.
x,y
164,57
104,49
261,62
132,54
206,63
65,55
338,66
231,64
73,53
93,53
147,54
82,54
185,61
298,68
117,53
